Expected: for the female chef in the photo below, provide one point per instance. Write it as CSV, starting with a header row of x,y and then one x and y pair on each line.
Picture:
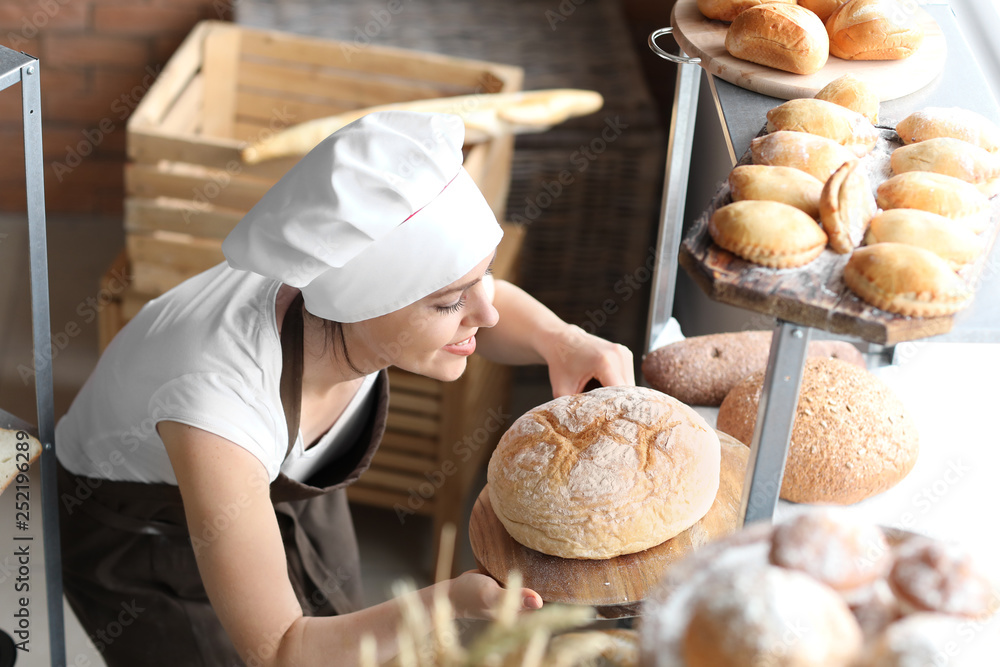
x,y
203,464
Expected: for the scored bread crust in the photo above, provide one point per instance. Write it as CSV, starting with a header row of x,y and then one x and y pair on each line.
x,y
873,30
786,37
880,273
613,471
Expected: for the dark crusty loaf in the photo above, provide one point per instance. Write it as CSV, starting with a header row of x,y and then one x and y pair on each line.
x,y
852,437
701,370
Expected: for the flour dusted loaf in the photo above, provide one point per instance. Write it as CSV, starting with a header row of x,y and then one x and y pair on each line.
x,y
953,122
813,154
701,370
613,471
825,119
782,36
852,437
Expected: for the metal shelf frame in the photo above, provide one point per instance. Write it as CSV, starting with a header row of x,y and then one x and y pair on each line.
x,y
741,114
16,67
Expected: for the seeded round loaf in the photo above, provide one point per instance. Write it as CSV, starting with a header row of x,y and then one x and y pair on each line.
x,y
852,437
701,370
613,471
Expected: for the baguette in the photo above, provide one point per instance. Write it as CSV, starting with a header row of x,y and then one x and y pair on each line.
x,y
951,157
873,30
782,36
825,119
953,122
817,156
851,92
783,184
17,449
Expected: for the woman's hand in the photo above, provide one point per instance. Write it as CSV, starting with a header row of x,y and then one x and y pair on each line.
x,y
475,595
575,357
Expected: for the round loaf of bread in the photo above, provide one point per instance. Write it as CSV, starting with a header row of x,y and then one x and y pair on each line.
x,y
852,437
613,471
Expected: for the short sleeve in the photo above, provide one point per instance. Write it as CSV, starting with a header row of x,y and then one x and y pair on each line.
x,y
227,408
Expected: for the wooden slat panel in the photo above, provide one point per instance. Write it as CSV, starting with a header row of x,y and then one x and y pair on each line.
x,y
220,66
360,492
178,216
399,379
173,79
185,115
419,403
405,63
406,442
203,188
388,459
163,261
255,107
410,423
214,152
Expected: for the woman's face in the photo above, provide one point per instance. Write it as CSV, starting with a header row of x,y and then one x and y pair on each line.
x,y
432,337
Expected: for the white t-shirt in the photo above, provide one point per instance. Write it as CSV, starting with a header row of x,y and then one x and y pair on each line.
x,y
208,354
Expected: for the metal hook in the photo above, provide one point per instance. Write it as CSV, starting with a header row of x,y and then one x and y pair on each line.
x,y
682,60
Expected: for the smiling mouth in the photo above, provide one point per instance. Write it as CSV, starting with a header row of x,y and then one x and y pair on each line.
x,y
462,348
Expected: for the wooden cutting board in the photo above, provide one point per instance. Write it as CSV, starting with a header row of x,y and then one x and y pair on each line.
x,y
615,587
706,39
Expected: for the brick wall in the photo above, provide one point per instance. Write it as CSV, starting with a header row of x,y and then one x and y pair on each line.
x,y
97,59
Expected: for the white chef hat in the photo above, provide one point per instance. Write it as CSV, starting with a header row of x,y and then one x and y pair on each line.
x,y
376,217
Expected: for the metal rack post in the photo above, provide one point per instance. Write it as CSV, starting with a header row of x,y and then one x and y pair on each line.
x,y
21,68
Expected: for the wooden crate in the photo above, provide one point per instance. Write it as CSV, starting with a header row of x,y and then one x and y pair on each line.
x,y
438,434
227,86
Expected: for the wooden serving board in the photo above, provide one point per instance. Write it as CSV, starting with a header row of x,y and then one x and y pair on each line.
x,y
815,295
616,587
706,39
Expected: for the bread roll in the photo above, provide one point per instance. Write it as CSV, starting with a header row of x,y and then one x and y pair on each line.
x,y
873,30
613,471
701,370
846,206
945,195
852,437
767,233
951,241
851,92
726,10
932,576
951,157
952,122
825,119
906,280
822,8
769,616
782,36
817,156
782,184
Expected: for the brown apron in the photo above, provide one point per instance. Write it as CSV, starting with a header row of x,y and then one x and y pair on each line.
x,y
129,569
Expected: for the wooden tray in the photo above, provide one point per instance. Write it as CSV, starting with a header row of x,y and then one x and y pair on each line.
x,y
706,39
815,295
615,587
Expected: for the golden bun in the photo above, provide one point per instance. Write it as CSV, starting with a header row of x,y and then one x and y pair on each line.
x,y
782,36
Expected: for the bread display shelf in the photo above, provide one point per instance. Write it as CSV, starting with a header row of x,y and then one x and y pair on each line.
x,y
615,587
815,295
704,38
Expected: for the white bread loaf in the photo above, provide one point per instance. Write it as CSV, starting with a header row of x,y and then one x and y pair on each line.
x,y
874,30
613,471
785,37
